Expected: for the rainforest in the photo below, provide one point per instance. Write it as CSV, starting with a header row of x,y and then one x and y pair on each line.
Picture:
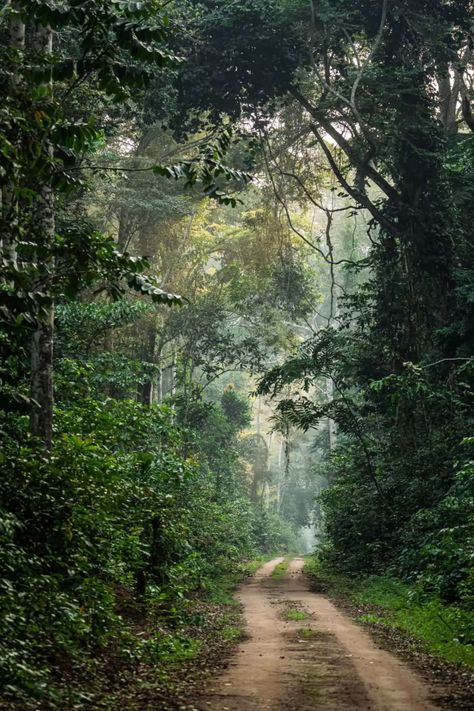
x,y
236,355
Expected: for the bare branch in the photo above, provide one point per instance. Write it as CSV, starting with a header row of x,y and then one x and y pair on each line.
x,y
375,47
359,197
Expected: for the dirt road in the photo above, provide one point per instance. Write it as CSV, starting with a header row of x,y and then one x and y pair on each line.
x,y
303,653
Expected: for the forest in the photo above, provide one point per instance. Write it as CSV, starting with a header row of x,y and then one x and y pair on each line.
x,y
236,322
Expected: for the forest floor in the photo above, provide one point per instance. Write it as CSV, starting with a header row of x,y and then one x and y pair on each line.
x,y
303,652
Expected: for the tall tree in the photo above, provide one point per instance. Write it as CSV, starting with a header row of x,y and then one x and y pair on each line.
x,y
112,50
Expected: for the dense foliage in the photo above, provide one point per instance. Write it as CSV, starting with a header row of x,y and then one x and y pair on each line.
x,y
108,492
399,353
137,459
141,500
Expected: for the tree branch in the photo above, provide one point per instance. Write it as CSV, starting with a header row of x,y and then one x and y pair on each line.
x,y
354,193
345,146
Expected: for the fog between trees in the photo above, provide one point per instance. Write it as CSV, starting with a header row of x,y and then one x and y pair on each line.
x,y
235,301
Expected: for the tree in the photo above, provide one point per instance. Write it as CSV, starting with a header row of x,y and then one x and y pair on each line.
x,y
116,48
380,91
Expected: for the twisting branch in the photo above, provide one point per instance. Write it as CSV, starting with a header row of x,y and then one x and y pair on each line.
x,y
359,197
448,360
347,148
289,174
330,250
285,207
374,49
328,258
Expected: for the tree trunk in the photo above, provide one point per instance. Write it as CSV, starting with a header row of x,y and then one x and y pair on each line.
x,y
141,583
159,392
9,204
124,235
128,223
254,488
448,98
331,423
41,419
173,375
146,395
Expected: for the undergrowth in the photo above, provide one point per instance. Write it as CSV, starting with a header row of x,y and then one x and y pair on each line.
x,y
173,646
446,630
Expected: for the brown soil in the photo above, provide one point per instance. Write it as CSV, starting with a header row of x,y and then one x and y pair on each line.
x,y
321,661
451,684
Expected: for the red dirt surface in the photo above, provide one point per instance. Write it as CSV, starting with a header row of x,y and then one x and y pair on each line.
x,y
321,661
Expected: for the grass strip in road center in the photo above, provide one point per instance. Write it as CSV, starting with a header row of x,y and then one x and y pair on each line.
x,y
280,569
293,615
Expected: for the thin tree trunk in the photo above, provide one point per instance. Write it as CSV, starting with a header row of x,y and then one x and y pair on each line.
x,y
254,488
173,375
128,227
149,357
9,201
448,89
331,423
159,390
124,230
41,419
280,453
257,415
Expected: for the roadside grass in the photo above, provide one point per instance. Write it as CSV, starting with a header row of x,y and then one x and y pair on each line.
x,y
447,631
221,590
250,567
232,633
223,593
168,649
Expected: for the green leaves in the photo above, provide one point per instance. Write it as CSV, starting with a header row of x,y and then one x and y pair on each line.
x,y
208,170
148,287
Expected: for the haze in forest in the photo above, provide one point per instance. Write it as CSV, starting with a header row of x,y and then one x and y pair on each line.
x,y
236,327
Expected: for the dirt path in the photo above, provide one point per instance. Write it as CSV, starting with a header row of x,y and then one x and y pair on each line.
x,y
302,653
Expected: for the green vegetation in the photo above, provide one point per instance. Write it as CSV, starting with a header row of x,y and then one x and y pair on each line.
x,y
232,633
293,615
236,308
446,630
251,567
385,383
307,633
279,570
169,649
221,590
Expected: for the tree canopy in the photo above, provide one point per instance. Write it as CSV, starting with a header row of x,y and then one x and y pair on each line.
x,y
236,301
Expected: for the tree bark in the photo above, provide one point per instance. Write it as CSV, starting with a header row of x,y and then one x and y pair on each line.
x,y
41,418
9,201
331,424
146,395
449,92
